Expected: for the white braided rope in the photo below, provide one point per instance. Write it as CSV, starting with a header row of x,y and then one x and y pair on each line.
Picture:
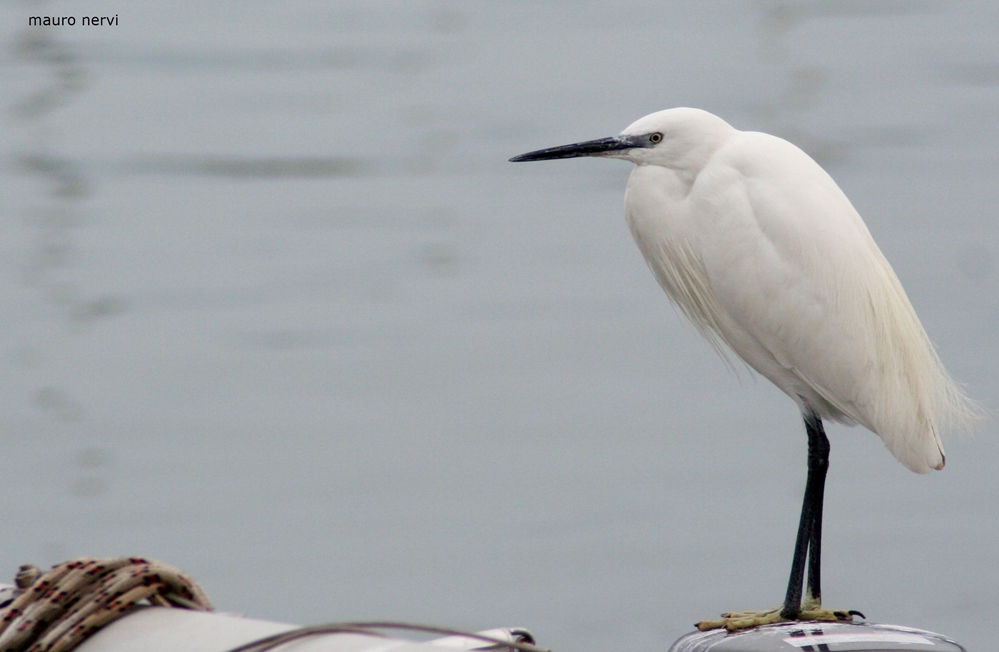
x,y
56,611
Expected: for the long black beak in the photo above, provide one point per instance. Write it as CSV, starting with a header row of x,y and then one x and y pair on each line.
x,y
599,147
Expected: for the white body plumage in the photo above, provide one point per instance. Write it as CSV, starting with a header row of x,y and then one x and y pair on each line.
x,y
760,248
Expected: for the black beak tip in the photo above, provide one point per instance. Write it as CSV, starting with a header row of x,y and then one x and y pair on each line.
x,y
531,156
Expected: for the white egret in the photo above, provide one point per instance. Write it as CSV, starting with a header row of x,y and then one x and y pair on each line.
x,y
763,252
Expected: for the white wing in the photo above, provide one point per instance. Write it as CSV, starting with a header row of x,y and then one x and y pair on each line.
x,y
792,281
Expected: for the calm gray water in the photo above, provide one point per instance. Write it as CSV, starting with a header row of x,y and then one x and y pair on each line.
x,y
275,309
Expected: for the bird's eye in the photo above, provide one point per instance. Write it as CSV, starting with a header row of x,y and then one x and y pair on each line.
x,y
655,138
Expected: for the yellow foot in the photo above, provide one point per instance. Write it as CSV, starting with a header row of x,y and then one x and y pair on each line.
x,y
734,621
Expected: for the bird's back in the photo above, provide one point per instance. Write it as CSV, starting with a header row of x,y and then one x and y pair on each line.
x,y
764,252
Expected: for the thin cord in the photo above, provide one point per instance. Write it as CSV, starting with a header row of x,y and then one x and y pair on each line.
x,y
366,628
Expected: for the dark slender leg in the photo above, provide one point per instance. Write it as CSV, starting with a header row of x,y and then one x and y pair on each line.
x,y
792,599
818,465
808,544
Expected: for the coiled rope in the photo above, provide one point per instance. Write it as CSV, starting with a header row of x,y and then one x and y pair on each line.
x,y
57,611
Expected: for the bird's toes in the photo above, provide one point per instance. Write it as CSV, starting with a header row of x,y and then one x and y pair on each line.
x,y
829,615
737,620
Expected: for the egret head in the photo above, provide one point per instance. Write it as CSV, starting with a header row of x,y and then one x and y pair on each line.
x,y
679,138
